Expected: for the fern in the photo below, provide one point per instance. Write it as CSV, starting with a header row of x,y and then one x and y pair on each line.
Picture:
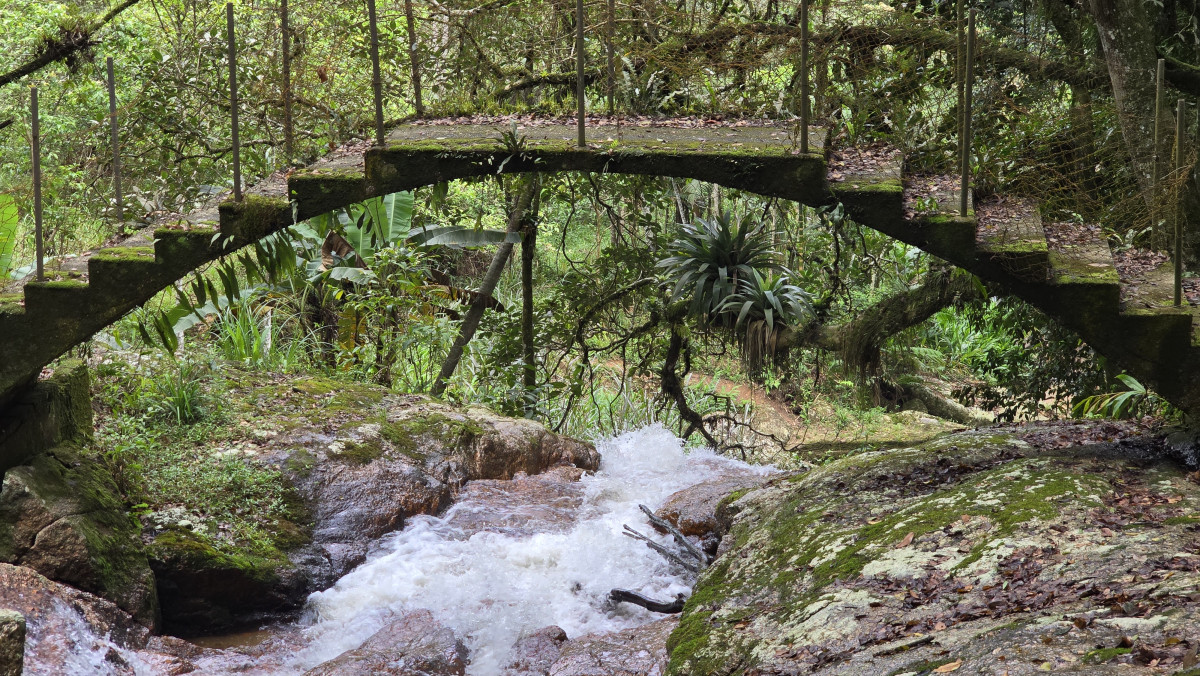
x,y
9,219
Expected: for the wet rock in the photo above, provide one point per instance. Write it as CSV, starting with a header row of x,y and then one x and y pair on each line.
x,y
632,652
414,645
365,483
62,515
1044,548
12,643
534,654
68,631
694,510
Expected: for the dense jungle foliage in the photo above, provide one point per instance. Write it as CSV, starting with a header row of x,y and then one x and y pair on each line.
x,y
628,299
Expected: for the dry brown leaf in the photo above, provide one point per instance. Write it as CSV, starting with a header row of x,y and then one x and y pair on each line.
x,y
947,668
906,541
1106,532
966,518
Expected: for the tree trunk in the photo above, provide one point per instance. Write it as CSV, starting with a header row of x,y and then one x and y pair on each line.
x,y
475,313
529,229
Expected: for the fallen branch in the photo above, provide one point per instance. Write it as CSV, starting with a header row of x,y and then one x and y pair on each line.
x,y
693,566
681,539
676,606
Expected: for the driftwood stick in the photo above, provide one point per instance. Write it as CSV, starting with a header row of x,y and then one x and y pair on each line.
x,y
675,606
684,543
666,553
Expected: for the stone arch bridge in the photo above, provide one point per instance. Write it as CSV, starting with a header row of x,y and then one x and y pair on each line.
x,y
1137,328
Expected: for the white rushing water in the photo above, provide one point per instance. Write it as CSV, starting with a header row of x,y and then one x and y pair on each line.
x,y
493,586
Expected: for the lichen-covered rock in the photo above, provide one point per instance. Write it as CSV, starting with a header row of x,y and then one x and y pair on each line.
x,y
640,651
1015,551
415,644
62,515
12,643
202,588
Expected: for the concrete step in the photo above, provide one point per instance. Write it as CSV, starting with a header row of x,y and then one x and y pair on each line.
x,y
1010,239
1084,289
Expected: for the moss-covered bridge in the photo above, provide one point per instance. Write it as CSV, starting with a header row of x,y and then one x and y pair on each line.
x,y
1077,284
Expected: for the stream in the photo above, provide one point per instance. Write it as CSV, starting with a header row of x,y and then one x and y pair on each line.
x,y
508,558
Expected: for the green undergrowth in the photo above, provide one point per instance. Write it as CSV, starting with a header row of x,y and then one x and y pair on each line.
x,y
204,477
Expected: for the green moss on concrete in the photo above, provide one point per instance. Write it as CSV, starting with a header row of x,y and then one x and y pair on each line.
x,y
125,253
254,217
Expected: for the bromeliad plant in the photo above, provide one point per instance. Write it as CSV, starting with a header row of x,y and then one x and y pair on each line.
x,y
730,271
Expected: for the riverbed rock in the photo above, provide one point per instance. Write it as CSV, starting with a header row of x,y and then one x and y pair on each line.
x,y
1062,548
533,655
12,643
640,651
415,644
62,515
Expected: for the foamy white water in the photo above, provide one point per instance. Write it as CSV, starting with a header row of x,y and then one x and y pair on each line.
x,y
495,585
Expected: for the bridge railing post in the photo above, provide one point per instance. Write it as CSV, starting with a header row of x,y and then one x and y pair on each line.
x,y
233,103
36,138
579,65
612,62
376,77
1156,215
968,85
115,135
1179,178
285,32
804,66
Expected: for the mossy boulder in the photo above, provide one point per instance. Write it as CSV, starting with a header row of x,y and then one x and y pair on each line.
x,y
1019,549
204,588
62,515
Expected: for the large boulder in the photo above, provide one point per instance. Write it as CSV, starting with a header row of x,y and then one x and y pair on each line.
x,y
372,476
415,644
694,510
62,515
12,643
534,654
1046,548
68,631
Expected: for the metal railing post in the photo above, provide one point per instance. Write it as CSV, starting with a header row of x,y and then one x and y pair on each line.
x,y
286,35
37,183
114,133
968,85
579,84
804,76
233,103
1180,108
612,63
376,78
1156,166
